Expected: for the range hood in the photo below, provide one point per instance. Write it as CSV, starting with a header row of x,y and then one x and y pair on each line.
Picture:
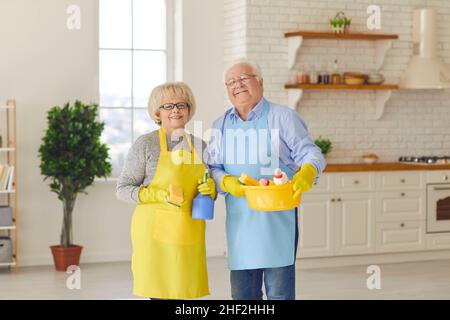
x,y
425,69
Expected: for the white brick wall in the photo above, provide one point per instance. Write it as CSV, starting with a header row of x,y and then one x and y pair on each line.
x,y
415,122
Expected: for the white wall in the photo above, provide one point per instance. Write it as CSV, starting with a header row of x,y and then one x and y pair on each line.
x,y
43,64
415,122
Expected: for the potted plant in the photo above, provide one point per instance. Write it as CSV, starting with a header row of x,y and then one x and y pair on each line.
x,y
71,157
340,23
324,145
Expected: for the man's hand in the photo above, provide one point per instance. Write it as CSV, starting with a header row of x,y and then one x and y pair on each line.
x,y
151,194
232,185
303,179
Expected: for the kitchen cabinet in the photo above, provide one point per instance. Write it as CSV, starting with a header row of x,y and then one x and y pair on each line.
x,y
350,213
438,241
338,223
316,227
401,205
355,217
400,181
400,236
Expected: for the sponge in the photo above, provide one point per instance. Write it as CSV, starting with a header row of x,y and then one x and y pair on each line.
x,y
246,180
175,195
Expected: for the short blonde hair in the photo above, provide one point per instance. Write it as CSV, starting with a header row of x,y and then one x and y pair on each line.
x,y
253,65
167,91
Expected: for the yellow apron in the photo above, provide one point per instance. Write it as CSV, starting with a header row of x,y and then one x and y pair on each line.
x,y
169,254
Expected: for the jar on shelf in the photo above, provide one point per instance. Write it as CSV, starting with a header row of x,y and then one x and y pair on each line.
x,y
336,76
314,76
302,77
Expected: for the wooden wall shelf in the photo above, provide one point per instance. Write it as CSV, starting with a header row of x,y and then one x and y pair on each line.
x,y
342,86
383,93
340,36
383,42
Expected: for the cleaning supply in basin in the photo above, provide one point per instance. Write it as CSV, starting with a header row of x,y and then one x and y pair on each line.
x,y
246,180
280,177
263,182
175,195
203,204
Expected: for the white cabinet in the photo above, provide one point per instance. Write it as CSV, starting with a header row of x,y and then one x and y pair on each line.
x,y
400,236
401,205
436,241
316,223
355,218
367,212
348,182
325,184
400,180
438,176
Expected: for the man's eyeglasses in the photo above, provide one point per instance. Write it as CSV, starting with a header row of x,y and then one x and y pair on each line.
x,y
244,78
179,105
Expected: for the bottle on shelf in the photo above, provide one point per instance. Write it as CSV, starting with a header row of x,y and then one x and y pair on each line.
x,y
324,75
336,76
314,76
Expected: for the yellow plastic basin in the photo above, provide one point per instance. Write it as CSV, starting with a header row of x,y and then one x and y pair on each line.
x,y
271,198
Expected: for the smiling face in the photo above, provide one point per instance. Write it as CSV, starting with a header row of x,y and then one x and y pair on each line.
x,y
245,94
175,118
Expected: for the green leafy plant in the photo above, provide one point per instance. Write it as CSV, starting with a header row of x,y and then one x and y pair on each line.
x,y
340,20
325,145
72,156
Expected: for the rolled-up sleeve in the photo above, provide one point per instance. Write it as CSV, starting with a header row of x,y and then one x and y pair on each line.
x,y
215,163
294,132
133,174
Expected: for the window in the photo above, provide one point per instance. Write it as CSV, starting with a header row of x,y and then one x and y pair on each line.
x,y
133,59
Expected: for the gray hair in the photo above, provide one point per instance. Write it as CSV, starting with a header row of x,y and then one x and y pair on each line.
x,y
170,90
253,65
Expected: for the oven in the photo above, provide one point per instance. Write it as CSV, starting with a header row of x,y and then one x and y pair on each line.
x,y
438,207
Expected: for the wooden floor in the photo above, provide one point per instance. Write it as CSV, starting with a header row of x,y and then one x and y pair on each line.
x,y
412,280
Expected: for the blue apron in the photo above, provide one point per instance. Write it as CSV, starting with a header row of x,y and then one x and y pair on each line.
x,y
255,239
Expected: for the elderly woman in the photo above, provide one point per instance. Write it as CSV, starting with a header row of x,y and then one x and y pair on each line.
x,y
169,256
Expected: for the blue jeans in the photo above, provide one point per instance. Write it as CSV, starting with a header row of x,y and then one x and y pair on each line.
x,y
279,282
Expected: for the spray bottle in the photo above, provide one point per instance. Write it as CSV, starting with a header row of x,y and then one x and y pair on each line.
x,y
203,205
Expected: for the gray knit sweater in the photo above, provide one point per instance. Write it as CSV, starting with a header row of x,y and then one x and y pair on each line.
x,y
142,160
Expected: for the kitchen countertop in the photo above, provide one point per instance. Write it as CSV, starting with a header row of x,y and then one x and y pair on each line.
x,y
383,166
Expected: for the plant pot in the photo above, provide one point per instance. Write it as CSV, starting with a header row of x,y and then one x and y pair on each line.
x,y
347,29
337,29
65,257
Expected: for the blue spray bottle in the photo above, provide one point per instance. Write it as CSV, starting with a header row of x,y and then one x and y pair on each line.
x,y
203,205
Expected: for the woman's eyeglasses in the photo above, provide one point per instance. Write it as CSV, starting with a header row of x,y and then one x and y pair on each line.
x,y
179,105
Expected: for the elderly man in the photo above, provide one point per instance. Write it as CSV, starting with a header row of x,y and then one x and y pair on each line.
x,y
261,245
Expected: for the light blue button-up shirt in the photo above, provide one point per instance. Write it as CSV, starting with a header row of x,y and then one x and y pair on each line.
x,y
296,147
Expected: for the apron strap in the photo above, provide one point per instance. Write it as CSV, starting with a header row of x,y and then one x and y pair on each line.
x,y
165,150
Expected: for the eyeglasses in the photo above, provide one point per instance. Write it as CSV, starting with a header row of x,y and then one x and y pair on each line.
x,y
245,78
171,106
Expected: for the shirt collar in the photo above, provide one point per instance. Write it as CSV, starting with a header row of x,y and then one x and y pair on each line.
x,y
255,113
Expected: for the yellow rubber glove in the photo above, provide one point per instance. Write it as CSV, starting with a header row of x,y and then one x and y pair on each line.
x,y
232,185
207,188
303,179
151,194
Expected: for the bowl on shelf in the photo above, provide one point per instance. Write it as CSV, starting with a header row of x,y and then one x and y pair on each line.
x,y
375,78
370,158
354,81
354,78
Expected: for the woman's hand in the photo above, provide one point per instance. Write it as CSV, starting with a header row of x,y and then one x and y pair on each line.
x,y
208,188
151,194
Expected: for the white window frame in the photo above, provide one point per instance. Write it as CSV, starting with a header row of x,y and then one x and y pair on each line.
x,y
170,60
